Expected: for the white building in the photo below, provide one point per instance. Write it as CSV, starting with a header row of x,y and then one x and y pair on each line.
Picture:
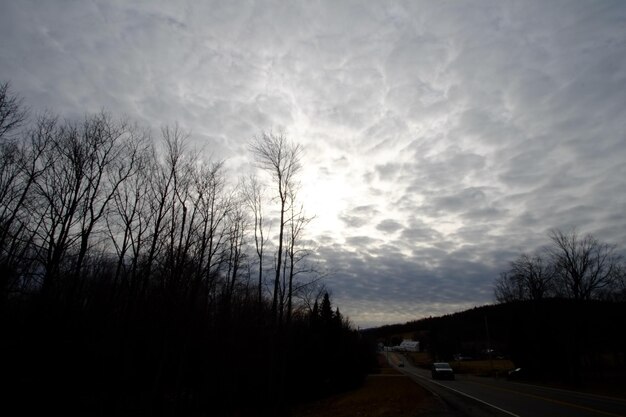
x,y
409,346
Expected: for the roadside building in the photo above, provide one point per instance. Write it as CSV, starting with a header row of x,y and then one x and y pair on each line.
x,y
409,346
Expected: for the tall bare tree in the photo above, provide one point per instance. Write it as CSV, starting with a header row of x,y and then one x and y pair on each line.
x,y
60,191
236,240
295,255
252,191
127,224
214,205
113,149
279,157
164,178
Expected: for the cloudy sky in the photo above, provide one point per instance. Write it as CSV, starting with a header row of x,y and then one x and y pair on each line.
x,y
442,138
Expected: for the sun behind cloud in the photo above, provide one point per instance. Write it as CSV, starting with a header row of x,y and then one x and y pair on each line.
x,y
325,195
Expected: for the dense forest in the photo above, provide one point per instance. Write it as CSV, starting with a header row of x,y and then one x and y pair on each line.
x,y
138,278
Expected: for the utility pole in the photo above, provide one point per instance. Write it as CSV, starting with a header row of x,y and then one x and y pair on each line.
x,y
489,351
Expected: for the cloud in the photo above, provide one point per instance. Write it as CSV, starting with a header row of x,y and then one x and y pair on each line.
x,y
441,138
419,231
389,226
359,216
363,242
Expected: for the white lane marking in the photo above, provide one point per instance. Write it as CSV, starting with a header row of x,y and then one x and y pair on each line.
x,y
464,394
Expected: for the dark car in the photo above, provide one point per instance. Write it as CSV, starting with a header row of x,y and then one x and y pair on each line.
x,y
442,370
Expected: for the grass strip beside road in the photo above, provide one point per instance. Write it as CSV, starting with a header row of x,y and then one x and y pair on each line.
x,y
380,396
386,393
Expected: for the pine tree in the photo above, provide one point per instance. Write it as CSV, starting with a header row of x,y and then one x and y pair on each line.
x,y
337,319
327,311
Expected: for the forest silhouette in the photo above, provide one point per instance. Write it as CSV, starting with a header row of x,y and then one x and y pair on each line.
x,y
132,283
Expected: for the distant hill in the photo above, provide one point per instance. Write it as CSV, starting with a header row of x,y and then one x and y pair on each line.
x,y
553,339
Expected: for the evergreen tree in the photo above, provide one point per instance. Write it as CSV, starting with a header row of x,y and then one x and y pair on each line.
x,y
337,319
327,311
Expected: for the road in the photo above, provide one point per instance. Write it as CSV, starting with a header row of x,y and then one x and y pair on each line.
x,y
476,396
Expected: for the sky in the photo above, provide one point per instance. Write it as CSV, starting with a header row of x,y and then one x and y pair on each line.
x,y
441,138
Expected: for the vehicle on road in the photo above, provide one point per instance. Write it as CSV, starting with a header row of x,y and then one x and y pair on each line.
x,y
442,370
518,374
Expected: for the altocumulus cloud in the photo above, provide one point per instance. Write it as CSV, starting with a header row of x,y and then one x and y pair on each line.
x,y
442,138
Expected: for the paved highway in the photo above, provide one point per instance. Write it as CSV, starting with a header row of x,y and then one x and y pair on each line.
x,y
476,396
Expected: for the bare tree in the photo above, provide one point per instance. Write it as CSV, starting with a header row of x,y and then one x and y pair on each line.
x,y
13,113
281,159
15,175
128,219
84,165
60,191
536,275
253,196
112,150
183,221
15,185
530,277
507,288
584,264
20,167
164,177
236,240
213,205
619,288
297,223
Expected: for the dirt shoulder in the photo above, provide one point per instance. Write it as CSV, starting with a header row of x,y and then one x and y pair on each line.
x,y
386,393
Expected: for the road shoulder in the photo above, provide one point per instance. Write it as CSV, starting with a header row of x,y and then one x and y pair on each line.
x,y
386,393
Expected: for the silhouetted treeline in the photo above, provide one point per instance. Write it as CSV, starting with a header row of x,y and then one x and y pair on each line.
x,y
562,340
131,284
575,266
